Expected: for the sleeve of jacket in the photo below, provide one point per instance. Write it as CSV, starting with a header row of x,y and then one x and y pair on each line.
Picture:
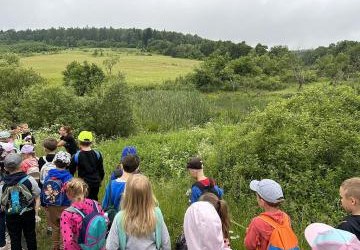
x,y
73,165
195,194
165,237
112,241
252,237
105,201
68,231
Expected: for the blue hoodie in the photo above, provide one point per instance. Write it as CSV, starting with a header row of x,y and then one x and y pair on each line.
x,y
60,174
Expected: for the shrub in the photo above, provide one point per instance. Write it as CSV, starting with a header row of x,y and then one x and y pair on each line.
x,y
309,143
83,77
44,105
111,110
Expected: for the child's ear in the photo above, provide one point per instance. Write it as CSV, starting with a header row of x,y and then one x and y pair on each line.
x,y
354,201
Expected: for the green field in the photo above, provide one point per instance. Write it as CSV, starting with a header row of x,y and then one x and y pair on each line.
x,y
140,69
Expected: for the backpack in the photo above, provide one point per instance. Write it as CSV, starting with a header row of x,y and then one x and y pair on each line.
x,y
93,229
17,199
282,237
45,169
158,229
76,156
53,193
210,189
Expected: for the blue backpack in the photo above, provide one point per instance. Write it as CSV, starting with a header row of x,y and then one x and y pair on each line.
x,y
53,193
76,156
93,230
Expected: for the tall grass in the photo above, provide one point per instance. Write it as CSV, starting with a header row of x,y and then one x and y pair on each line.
x,y
163,110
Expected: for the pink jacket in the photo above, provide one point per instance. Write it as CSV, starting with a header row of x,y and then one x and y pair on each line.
x,y
28,163
70,223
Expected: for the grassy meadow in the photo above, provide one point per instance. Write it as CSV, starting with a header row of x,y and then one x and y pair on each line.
x,y
174,126
140,69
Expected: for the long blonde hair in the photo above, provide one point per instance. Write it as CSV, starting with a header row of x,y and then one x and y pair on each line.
x,y
138,206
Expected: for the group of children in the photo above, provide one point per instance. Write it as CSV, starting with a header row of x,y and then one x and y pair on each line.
x,y
129,217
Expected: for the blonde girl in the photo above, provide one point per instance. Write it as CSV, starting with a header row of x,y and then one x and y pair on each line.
x,y
140,224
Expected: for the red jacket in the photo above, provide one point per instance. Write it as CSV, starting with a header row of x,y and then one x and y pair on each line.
x,y
259,232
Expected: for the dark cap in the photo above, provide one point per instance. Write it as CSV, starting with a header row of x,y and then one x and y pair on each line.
x,y
195,163
12,161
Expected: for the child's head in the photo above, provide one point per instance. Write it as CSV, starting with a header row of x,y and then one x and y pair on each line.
x,y
76,189
62,159
65,130
27,151
350,194
5,136
324,237
138,204
195,167
268,192
85,138
221,208
130,163
12,162
24,127
50,145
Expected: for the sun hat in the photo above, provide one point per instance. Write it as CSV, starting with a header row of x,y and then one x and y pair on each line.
x,y
27,149
85,136
324,237
268,189
62,156
195,163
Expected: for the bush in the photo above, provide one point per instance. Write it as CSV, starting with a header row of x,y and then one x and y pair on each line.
x,y
44,105
111,113
309,143
83,77
15,81
162,110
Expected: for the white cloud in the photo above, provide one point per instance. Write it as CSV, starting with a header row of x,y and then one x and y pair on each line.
x,y
297,23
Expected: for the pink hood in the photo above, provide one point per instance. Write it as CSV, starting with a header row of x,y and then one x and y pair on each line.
x,y
202,227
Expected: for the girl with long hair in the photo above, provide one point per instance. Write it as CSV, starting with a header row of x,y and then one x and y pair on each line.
x,y
139,225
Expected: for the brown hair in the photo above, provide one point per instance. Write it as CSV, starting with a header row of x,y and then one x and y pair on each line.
x,y
50,144
77,189
352,187
221,208
68,129
138,205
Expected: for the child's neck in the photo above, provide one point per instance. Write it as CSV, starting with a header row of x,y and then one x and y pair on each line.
x,y
85,148
125,176
356,211
270,209
201,177
50,152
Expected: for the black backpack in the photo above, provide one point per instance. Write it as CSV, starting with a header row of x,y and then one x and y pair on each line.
x,y
207,189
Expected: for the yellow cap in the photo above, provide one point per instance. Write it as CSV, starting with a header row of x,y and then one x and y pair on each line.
x,y
85,136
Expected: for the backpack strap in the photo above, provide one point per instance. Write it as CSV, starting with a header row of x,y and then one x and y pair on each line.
x,y
95,206
44,158
72,209
109,200
122,234
23,180
273,223
76,156
158,229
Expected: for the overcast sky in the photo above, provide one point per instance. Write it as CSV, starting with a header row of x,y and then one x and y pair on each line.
x,y
296,23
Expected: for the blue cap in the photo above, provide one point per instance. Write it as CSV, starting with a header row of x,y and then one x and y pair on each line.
x,y
128,150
